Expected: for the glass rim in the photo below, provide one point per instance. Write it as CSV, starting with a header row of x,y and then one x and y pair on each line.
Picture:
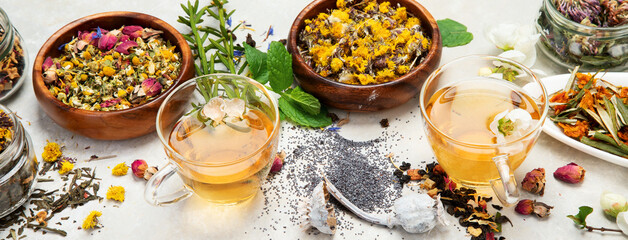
x,y
275,131
432,77
554,13
16,132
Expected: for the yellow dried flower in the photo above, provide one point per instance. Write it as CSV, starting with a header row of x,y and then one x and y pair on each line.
x,y
341,3
383,8
87,55
91,220
403,69
66,167
116,193
67,65
108,57
121,169
108,71
336,64
135,60
121,93
52,152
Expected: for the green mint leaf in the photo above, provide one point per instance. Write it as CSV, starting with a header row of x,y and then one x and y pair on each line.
x,y
304,100
453,33
279,67
301,117
505,126
580,218
257,63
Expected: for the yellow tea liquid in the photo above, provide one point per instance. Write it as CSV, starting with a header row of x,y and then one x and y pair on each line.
x,y
463,112
223,182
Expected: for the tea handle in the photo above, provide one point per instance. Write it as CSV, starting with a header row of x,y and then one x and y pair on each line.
x,y
507,191
151,193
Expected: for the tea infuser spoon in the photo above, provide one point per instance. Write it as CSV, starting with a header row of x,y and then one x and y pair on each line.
x,y
415,212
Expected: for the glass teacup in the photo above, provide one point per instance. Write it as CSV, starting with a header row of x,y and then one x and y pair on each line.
x,y
223,158
480,125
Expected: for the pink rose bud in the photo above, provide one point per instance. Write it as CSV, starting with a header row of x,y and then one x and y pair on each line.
x,y
570,173
133,31
151,87
527,207
125,46
47,64
109,103
124,38
278,162
139,166
107,41
534,181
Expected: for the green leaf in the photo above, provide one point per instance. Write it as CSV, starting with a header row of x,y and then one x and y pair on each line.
x,y
580,218
304,100
257,63
303,118
279,67
453,33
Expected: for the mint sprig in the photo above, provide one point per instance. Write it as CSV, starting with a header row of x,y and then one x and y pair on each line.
x,y
275,67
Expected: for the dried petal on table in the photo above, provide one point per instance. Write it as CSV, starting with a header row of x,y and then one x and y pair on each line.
x,y
120,170
116,193
91,220
527,207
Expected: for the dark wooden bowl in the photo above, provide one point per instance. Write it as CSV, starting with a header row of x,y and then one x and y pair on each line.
x,y
364,98
112,125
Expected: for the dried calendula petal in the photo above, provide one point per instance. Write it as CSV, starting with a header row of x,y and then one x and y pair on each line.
x,y
91,220
116,193
120,170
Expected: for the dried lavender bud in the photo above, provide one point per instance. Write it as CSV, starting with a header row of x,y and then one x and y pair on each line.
x,y
570,173
404,166
534,181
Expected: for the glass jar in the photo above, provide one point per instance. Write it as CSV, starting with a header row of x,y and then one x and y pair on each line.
x,y
13,58
18,167
571,44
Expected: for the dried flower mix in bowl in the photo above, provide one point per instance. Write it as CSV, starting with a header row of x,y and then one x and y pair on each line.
x,y
363,42
104,70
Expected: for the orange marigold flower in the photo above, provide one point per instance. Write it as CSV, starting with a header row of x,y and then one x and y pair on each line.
x,y
577,130
623,93
559,98
587,100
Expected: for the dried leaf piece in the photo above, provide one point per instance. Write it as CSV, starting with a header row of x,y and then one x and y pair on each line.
x,y
570,173
534,181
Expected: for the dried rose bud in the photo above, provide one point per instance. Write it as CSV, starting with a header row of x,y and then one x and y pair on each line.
x,y
150,172
570,173
89,37
107,41
151,87
109,103
449,184
139,168
613,203
133,31
527,207
278,162
125,46
534,181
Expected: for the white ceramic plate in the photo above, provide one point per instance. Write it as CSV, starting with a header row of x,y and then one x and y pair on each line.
x,y
557,82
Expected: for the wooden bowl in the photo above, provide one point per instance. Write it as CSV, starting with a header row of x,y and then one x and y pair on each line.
x,y
364,98
112,125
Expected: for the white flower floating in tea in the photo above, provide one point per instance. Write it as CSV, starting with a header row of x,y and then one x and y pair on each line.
x,y
511,124
415,212
230,110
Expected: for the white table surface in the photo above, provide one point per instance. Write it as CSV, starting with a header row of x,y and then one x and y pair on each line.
x,y
195,219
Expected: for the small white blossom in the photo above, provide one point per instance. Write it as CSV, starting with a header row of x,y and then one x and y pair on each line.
x,y
622,222
215,109
512,37
613,203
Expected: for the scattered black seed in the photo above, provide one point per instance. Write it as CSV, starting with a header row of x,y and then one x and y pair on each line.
x,y
404,166
384,123
497,206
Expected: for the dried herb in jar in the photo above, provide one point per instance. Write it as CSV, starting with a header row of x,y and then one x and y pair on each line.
x,y
363,42
104,70
12,65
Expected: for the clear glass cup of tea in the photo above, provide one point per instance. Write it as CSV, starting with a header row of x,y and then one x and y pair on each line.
x,y
482,115
220,133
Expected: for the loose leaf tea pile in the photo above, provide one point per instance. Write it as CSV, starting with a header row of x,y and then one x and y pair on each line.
x,y
363,42
594,112
104,70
